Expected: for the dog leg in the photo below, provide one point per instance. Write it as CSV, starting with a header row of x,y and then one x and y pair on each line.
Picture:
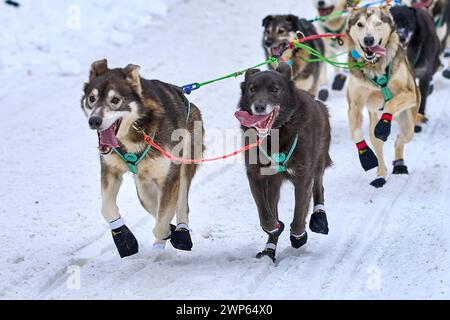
x,y
147,192
406,124
168,203
124,239
323,83
266,192
424,87
394,107
366,156
319,222
380,181
303,194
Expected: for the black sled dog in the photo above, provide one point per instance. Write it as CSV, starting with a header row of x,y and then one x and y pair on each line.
x,y
273,109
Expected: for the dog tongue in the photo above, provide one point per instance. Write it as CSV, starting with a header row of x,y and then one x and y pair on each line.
x,y
379,50
248,120
108,138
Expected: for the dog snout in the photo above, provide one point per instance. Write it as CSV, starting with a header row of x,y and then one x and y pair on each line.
x,y
369,41
321,4
268,43
402,34
95,122
260,108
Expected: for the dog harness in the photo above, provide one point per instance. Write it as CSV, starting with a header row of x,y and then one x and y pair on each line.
x,y
281,159
334,41
382,82
132,159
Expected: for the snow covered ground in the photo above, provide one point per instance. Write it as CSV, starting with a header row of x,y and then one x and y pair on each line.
x,y
384,244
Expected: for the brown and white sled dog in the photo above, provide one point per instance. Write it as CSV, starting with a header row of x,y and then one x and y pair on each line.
x,y
279,30
386,85
116,101
335,25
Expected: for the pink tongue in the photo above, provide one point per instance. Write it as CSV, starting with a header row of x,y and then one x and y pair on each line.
x,y
379,50
248,120
108,138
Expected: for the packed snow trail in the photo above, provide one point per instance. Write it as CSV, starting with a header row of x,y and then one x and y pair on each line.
x,y
384,244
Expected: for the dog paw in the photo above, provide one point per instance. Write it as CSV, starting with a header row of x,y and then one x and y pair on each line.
x,y
446,73
378,182
266,253
181,238
299,241
400,167
323,95
383,128
318,222
339,82
125,241
367,158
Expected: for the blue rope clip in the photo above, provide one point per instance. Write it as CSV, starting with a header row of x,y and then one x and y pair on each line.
x,y
187,89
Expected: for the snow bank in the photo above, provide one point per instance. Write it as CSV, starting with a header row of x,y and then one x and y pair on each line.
x,y
53,35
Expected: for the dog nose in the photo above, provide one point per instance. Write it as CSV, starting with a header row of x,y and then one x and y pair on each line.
x,y
268,43
402,34
321,4
369,41
95,122
260,108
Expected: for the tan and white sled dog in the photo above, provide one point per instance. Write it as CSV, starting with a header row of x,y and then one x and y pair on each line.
x,y
385,85
118,102
334,25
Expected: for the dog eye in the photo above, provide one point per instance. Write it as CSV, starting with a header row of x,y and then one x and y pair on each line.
x,y
115,100
360,24
275,89
252,89
281,31
91,99
378,24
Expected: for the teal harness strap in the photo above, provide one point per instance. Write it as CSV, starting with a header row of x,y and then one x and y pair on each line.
x,y
440,22
281,159
131,159
383,82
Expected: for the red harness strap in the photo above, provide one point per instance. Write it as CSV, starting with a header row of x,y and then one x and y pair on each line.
x,y
150,141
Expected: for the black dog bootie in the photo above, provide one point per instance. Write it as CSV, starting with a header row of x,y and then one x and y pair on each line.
x,y
319,222
383,128
323,94
339,82
366,156
400,167
378,182
181,237
299,241
125,241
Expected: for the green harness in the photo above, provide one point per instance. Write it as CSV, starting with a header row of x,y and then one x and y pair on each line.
x,y
281,159
382,82
132,159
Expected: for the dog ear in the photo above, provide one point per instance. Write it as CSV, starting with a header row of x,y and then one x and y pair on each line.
x,y
285,70
250,73
98,68
267,20
294,20
133,78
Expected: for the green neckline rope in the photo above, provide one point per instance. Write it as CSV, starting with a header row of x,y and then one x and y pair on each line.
x,y
132,159
195,86
281,159
319,57
382,82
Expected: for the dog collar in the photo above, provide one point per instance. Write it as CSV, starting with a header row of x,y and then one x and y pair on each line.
x,y
281,159
132,159
335,41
